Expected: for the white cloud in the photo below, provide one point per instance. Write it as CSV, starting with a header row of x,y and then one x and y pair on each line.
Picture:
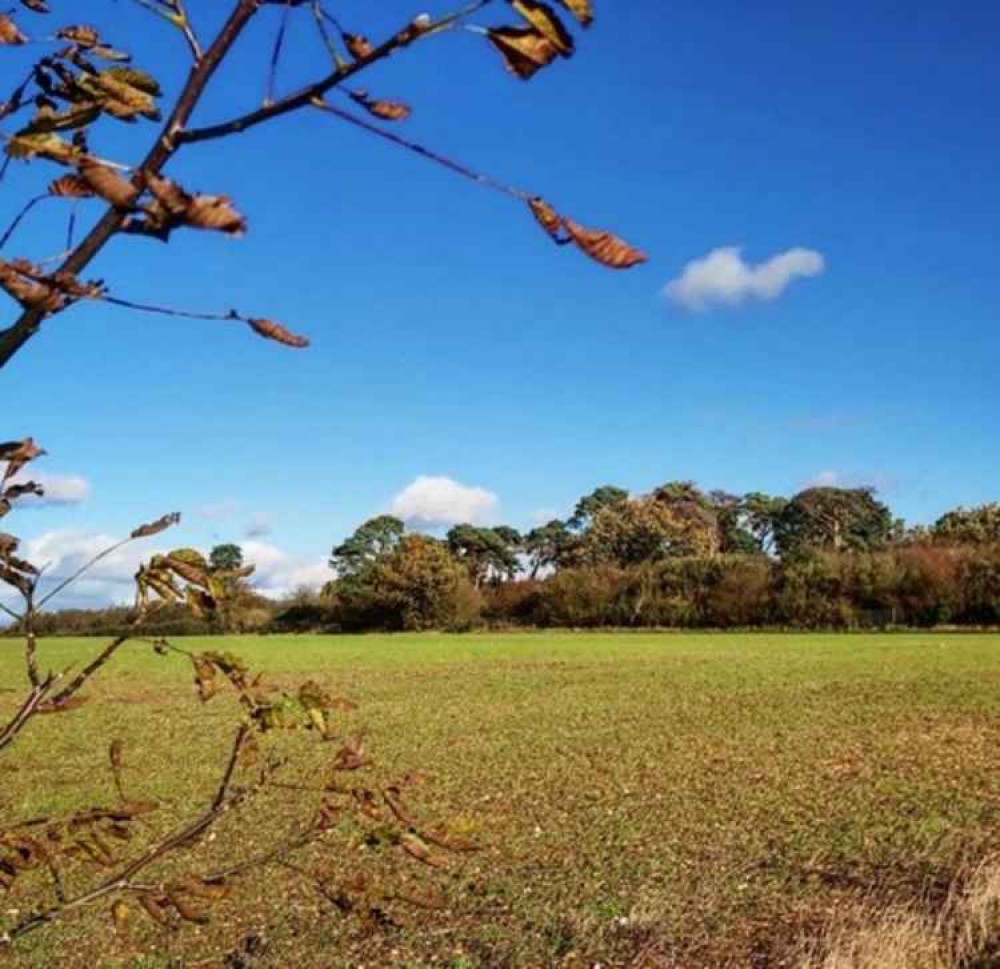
x,y
723,276
258,526
431,501
542,516
60,489
111,581
62,552
279,573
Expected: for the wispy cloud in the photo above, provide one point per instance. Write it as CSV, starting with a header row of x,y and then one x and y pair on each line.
x,y
724,277
430,501
112,580
259,526
278,572
60,553
831,478
219,509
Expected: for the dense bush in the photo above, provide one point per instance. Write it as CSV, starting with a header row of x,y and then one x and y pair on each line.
x,y
420,585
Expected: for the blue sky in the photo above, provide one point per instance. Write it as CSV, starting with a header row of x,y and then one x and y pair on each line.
x,y
451,339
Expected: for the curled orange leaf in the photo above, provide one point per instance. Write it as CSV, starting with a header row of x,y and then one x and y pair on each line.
x,y
386,110
358,45
583,10
107,183
524,49
10,33
275,331
547,218
545,20
605,248
70,187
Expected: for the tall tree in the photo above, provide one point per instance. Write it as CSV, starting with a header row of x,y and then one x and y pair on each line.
x,y
421,583
228,557
834,519
548,546
696,528
489,554
760,514
369,544
969,526
589,505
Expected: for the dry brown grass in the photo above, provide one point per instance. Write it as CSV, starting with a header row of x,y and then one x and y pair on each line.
x,y
964,932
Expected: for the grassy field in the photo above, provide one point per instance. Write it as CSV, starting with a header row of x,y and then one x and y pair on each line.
x,y
642,800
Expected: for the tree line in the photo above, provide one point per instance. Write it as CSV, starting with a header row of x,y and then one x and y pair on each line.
x,y
676,557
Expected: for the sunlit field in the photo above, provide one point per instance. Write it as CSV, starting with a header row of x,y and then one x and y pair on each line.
x,y
639,799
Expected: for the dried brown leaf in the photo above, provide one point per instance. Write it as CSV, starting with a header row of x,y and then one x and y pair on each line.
x,y
604,247
547,218
386,110
523,49
154,528
215,212
170,195
583,10
358,45
120,914
107,183
19,453
10,33
546,21
70,187
275,331
417,848
82,34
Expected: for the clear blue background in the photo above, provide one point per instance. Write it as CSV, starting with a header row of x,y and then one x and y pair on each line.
x,y
450,337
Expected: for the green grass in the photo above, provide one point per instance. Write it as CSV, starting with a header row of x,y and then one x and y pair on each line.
x,y
700,798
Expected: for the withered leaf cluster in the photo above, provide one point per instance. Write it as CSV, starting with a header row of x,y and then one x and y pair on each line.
x,y
602,246
88,836
527,49
182,576
36,289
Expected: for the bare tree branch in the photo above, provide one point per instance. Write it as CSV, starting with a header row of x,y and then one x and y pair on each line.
x,y
27,325
308,95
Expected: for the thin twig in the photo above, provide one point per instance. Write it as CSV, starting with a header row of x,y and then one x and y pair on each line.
x,y
308,95
318,15
449,163
86,567
26,711
177,17
71,227
272,73
231,315
19,217
241,736
89,670
31,653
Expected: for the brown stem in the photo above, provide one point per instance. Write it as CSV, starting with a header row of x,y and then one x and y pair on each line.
x,y
89,670
5,238
31,655
27,325
241,736
119,882
27,710
308,95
